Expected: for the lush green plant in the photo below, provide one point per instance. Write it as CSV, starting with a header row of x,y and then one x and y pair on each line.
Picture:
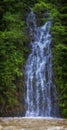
x,y
59,56
12,39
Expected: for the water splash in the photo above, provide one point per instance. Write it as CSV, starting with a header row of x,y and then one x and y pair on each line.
x,y
41,95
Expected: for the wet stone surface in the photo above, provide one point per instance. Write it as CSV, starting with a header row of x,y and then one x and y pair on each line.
x,y
33,124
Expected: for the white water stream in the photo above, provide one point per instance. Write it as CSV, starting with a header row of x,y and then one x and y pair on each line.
x,y
41,95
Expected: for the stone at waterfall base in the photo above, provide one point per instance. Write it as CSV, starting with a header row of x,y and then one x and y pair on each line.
x,y
33,124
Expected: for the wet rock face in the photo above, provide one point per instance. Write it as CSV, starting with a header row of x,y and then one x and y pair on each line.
x,y
33,124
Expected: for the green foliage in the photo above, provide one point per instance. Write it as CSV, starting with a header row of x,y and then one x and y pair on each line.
x,y
45,10
12,39
59,57
60,69
41,9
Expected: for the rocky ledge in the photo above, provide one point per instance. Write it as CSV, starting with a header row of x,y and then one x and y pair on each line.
x,y
20,123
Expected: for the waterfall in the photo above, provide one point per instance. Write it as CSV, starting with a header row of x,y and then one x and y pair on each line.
x,y
41,94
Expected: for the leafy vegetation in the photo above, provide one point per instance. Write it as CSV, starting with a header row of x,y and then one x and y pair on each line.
x,y
14,46
60,54
12,39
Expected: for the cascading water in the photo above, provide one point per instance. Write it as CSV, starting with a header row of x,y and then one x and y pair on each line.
x,y
41,95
